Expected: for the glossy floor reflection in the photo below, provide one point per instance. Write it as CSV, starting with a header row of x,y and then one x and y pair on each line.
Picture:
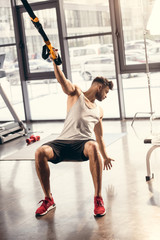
x,y
132,205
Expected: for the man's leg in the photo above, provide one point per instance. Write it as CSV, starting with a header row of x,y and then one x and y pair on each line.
x,y
42,155
91,150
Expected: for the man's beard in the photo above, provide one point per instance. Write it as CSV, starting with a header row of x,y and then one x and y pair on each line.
x,y
99,96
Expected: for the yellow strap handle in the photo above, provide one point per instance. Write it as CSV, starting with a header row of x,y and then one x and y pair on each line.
x,y
51,49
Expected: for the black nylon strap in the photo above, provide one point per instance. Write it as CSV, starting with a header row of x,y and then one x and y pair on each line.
x,y
28,9
45,52
33,16
40,30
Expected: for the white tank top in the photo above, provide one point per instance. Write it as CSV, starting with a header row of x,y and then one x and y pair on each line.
x,y
80,121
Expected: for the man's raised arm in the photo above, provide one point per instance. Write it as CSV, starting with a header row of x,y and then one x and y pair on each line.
x,y
67,86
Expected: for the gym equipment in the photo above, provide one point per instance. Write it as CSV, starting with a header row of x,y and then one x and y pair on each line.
x,y
48,47
32,139
11,130
155,141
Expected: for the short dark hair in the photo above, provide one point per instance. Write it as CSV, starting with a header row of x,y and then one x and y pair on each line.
x,y
104,81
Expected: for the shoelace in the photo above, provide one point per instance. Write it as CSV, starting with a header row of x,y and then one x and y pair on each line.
x,y
42,201
99,202
45,203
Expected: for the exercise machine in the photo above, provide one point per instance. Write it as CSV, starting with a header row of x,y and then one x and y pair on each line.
x,y
14,129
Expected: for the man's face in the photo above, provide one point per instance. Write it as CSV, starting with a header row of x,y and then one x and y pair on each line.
x,y
102,93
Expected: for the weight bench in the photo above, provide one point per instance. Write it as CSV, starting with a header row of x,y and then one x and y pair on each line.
x,y
155,144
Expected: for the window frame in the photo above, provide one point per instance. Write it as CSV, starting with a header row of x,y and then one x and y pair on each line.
x,y
124,68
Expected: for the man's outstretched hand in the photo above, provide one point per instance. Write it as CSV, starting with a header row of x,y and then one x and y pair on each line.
x,y
108,163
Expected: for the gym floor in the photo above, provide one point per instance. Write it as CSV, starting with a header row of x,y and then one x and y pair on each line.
x,y
132,204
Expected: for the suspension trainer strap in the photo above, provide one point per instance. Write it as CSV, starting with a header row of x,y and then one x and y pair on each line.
x,y
39,27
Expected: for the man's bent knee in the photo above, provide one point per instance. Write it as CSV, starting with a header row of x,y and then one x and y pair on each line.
x,y
91,147
44,152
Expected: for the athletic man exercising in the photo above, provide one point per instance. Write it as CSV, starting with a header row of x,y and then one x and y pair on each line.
x,y
76,141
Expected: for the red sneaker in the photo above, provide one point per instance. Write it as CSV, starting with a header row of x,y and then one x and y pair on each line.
x,y
99,209
46,206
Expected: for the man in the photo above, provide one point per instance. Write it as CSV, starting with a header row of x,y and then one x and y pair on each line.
x,y
76,141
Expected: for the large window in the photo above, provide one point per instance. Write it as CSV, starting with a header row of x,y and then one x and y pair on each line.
x,y
9,69
84,34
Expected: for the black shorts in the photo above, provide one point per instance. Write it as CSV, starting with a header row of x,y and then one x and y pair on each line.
x,y
68,150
